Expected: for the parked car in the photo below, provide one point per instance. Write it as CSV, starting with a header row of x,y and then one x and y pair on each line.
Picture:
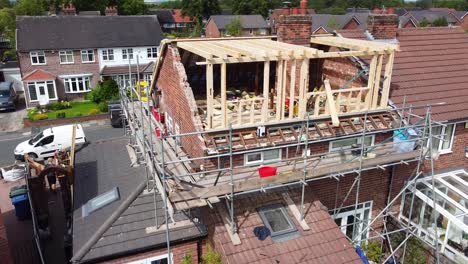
x,y
47,142
116,117
8,96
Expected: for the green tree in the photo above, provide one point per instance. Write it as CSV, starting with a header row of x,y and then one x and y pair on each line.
x,y
440,22
200,9
424,23
234,28
87,5
250,7
333,23
29,7
8,28
169,5
132,7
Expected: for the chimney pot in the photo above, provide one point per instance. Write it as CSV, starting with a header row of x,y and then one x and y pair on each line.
x,y
303,4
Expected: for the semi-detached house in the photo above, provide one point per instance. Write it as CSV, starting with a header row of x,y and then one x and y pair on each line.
x,y
64,57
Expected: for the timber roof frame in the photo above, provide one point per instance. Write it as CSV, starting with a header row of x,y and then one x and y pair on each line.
x,y
239,50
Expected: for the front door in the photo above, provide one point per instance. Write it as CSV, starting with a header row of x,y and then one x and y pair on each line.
x,y
42,94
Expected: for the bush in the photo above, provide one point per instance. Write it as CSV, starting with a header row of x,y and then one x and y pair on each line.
x,y
32,113
79,114
211,256
373,251
58,106
103,107
93,111
40,117
60,115
104,91
187,259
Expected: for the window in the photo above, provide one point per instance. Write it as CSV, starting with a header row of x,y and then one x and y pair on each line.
x,y
77,84
37,57
46,141
127,54
163,259
152,52
66,56
263,156
442,138
352,220
87,56
41,90
32,91
108,55
277,220
124,81
348,142
100,201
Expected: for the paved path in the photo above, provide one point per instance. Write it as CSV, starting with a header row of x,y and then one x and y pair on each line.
x,y
12,121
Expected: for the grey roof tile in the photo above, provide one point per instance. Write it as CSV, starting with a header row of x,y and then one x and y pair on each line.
x,y
247,21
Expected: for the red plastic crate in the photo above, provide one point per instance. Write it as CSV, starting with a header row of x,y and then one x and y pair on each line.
x,y
267,171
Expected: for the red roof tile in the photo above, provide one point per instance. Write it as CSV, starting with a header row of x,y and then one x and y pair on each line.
x,y
179,18
431,68
39,75
323,243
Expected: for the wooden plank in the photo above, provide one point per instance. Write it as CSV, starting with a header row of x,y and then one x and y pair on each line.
x,y
224,114
292,88
241,136
227,224
387,80
279,89
266,90
370,82
304,78
378,73
283,88
209,95
330,128
331,104
191,48
319,131
295,211
353,43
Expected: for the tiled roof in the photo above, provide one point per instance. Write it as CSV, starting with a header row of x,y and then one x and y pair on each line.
x,y
39,75
123,69
179,18
323,243
247,21
431,16
431,68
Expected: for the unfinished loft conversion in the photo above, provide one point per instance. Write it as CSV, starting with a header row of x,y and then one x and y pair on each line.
x,y
242,82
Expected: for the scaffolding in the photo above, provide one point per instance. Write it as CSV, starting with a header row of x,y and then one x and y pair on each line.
x,y
172,174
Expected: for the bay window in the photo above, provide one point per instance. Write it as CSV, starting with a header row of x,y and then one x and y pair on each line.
x,y
87,56
66,56
79,84
37,57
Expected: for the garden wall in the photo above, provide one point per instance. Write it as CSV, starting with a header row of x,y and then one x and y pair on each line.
x,y
63,121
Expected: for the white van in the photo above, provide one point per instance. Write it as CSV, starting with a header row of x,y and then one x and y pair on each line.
x,y
47,142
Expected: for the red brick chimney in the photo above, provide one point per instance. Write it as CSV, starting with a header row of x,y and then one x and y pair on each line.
x,y
68,10
383,26
295,29
303,6
111,11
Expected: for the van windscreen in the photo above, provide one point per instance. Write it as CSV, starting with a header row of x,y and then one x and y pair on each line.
x,y
36,138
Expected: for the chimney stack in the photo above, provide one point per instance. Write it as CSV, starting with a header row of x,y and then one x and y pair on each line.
x,y
111,11
382,26
68,10
303,6
295,29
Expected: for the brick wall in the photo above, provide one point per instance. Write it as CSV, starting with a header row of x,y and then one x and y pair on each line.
x,y
295,29
178,253
456,158
178,101
54,67
383,26
212,30
353,24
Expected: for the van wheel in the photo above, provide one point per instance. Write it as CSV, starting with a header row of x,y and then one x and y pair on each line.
x,y
32,155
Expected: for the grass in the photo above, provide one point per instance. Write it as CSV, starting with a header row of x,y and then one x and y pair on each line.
x,y
76,109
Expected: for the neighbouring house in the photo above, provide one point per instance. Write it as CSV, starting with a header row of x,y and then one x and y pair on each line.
x,y
172,19
428,17
324,23
115,211
431,69
63,57
462,15
252,25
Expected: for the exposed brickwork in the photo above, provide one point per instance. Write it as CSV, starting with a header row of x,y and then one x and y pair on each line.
x,y
352,24
383,26
177,100
178,252
54,67
295,29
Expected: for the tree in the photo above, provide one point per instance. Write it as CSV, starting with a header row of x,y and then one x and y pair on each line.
x,y
132,7
30,7
169,5
251,7
333,23
234,28
424,23
200,9
87,5
8,28
440,22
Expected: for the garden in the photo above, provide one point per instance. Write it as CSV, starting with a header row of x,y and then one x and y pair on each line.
x,y
96,103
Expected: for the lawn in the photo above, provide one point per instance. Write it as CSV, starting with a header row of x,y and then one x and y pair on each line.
x,y
76,109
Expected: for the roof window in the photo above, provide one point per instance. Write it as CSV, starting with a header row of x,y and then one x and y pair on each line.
x,y
276,218
100,201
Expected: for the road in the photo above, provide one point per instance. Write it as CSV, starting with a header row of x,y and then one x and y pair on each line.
x,y
93,133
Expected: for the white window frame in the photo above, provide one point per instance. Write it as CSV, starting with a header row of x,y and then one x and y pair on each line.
x,y
75,79
177,132
169,123
127,53
36,54
65,54
262,155
152,52
148,260
106,54
86,53
441,140
358,141
343,215
46,89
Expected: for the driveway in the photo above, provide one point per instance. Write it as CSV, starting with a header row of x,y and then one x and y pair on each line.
x,y
13,121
